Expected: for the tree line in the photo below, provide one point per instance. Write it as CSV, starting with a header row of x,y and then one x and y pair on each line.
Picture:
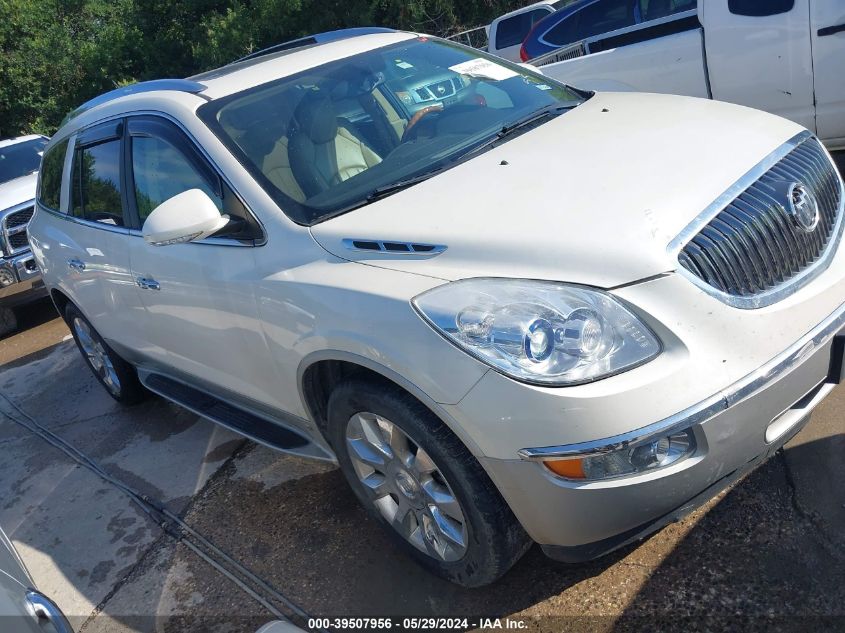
x,y
57,54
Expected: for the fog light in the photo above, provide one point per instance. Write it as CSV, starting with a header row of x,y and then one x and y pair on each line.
x,y
631,460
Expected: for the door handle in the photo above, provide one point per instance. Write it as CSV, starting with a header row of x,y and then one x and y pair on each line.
x,y
145,283
76,265
831,30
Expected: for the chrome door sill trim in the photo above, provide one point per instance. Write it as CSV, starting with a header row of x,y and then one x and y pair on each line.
x,y
743,389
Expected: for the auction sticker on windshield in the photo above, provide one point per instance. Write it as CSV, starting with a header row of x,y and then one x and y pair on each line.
x,y
484,69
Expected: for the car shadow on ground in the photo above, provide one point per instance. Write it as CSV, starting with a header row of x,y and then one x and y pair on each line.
x,y
748,554
762,559
297,525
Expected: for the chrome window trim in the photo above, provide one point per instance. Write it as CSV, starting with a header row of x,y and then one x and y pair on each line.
x,y
209,241
5,246
94,225
746,387
217,241
623,31
67,172
793,285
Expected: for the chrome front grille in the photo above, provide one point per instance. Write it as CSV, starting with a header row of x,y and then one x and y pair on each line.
x,y
776,231
13,225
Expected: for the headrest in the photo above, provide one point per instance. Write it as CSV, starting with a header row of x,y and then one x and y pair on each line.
x,y
316,117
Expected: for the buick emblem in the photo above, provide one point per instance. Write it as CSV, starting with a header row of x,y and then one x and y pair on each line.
x,y
803,207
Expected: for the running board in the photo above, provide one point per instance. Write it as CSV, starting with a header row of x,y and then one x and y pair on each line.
x,y
266,431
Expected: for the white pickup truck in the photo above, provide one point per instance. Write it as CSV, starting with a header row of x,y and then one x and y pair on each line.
x,y
782,56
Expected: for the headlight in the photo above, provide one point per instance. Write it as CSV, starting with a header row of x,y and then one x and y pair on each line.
x,y
646,456
539,332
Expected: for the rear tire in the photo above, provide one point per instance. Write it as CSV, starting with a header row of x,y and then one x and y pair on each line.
x,y
8,321
419,481
117,377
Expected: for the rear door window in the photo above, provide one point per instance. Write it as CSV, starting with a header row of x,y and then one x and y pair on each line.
x,y
656,9
96,188
600,17
512,31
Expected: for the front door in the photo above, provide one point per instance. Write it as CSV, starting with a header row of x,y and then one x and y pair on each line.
x,y
759,55
202,319
827,27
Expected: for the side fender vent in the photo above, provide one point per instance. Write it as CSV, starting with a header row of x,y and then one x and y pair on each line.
x,y
393,248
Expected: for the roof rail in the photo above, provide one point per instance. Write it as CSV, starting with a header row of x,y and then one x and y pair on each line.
x,y
179,85
318,38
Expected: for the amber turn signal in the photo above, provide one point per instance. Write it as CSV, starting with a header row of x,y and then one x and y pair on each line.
x,y
569,468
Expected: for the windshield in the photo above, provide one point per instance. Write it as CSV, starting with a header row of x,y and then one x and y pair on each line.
x,y
20,159
340,135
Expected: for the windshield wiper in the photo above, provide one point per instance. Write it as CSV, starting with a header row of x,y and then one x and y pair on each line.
x,y
387,190
520,124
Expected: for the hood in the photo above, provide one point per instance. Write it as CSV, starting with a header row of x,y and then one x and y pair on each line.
x,y
18,191
592,197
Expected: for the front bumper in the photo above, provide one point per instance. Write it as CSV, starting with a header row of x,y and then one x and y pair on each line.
x,y
20,280
736,429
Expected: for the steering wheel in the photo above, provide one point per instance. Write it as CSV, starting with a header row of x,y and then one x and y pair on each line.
x,y
418,116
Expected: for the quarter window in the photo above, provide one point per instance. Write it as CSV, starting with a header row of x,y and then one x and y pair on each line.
x,y
598,18
161,172
511,31
656,9
760,8
50,187
96,184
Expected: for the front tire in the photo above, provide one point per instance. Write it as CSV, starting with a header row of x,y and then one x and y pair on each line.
x,y
419,481
117,377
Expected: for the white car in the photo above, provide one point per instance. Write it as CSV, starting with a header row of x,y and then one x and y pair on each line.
x,y
535,314
20,281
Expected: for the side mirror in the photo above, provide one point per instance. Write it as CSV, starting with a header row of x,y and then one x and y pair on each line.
x,y
188,216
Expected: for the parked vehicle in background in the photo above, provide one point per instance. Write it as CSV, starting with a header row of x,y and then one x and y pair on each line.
x,y
24,609
783,56
20,281
507,32
589,18
408,292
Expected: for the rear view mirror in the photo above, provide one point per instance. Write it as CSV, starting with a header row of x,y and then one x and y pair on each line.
x,y
188,216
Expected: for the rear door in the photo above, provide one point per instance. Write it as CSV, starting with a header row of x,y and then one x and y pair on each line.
x,y
93,243
827,29
759,55
202,319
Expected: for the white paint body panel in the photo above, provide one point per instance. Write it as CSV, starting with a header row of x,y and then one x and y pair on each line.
x,y
828,58
593,197
773,63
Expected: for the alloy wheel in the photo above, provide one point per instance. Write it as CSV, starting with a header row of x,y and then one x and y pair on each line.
x,y
406,487
97,356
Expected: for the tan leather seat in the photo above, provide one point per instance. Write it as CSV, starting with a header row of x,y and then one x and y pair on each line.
x,y
323,151
277,169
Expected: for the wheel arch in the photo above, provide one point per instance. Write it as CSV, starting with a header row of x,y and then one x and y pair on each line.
x,y
320,372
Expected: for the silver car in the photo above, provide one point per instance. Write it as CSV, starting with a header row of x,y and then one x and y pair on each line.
x,y
24,609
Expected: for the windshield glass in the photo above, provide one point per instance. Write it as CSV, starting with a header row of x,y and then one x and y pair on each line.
x,y
20,159
339,135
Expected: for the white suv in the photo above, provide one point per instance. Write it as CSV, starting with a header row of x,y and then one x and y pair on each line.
x,y
533,313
